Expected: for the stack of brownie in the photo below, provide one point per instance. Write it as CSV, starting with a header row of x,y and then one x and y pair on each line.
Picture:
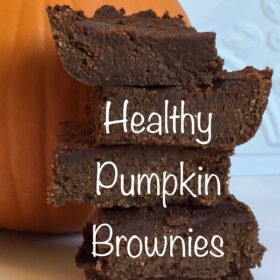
x,y
165,71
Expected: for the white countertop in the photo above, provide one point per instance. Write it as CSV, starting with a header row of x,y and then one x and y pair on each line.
x,y
42,257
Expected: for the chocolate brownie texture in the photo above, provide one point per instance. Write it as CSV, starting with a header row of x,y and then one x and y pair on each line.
x,y
237,103
75,165
240,275
230,219
142,49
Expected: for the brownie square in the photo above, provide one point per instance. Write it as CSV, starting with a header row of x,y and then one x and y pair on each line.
x,y
76,165
237,103
136,50
230,219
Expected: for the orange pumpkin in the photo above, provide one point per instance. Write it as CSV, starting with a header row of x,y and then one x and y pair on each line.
x,y
36,94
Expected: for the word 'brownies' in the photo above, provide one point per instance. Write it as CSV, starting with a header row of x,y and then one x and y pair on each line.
x,y
156,247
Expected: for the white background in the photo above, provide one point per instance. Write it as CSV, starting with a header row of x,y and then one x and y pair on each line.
x,y
248,33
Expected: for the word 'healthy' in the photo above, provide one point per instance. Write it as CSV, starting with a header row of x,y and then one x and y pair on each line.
x,y
174,120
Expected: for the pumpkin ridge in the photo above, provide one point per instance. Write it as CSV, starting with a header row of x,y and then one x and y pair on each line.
x,y
8,129
45,112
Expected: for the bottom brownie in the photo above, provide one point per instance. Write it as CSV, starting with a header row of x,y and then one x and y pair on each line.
x,y
231,220
241,275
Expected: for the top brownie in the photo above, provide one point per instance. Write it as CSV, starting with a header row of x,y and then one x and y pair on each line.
x,y
142,49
